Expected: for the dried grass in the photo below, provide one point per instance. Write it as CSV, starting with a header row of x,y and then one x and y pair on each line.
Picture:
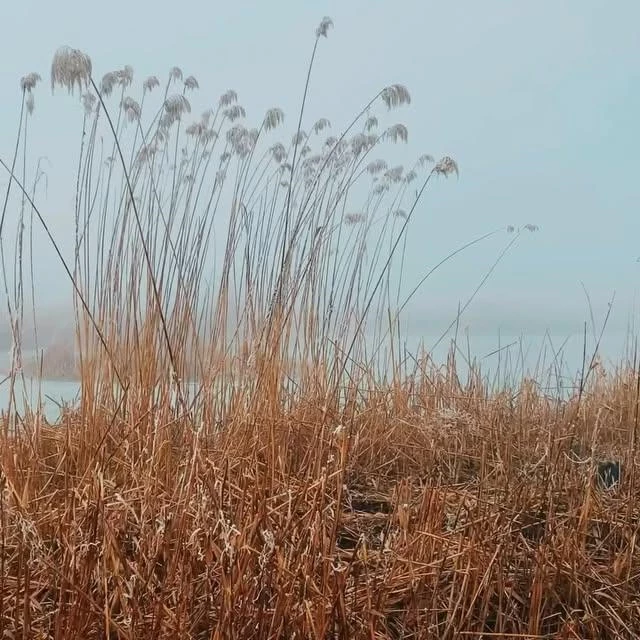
x,y
310,485
415,517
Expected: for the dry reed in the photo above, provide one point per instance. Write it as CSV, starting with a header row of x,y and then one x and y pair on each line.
x,y
310,484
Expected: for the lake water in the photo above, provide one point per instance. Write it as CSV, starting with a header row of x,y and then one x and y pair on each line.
x,y
502,359
52,394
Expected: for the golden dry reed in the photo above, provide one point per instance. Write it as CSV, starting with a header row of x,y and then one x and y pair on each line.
x,y
253,454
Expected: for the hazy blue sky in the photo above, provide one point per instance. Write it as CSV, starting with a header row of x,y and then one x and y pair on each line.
x,y
537,101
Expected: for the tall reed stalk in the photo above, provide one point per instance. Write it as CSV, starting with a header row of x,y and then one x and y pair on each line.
x,y
252,455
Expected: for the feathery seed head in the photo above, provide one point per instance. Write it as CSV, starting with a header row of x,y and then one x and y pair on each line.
x,y
320,125
108,82
397,132
191,83
28,82
175,73
330,141
410,176
228,98
343,160
150,84
341,147
360,143
278,152
131,109
125,76
208,135
446,166
176,105
309,173
395,174
510,228
323,28
70,67
305,151
235,136
273,118
381,187
164,123
531,227
245,145
298,138
425,159
354,218
234,112
121,77
376,166
146,152
196,129
370,123
395,95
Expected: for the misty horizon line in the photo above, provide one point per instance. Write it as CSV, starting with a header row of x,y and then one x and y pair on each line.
x,y
55,327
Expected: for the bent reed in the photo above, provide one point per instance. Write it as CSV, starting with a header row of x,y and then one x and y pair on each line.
x,y
254,455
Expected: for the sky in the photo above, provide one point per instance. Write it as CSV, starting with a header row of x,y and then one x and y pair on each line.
x,y
536,101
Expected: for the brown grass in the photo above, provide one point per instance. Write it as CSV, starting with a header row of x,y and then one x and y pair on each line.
x,y
313,483
428,510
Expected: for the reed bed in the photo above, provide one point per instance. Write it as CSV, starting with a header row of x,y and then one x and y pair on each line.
x,y
254,454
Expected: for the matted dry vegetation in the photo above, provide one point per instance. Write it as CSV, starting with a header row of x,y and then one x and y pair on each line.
x,y
315,481
426,510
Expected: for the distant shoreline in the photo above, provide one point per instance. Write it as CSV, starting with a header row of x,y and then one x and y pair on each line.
x,y
31,376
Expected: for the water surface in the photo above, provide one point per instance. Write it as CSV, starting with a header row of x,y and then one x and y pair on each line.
x,y
554,360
